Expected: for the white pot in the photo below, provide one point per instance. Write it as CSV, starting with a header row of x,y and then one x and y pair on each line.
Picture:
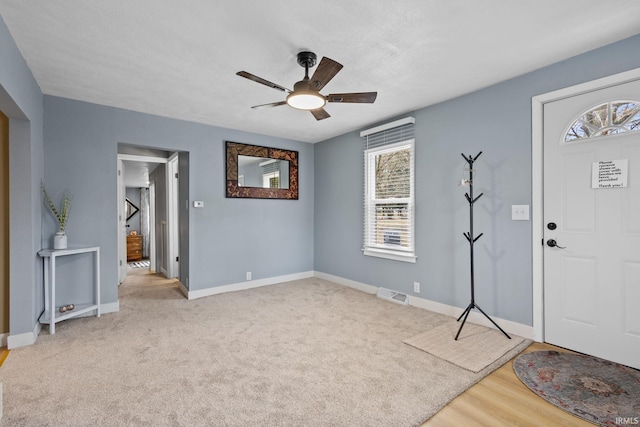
x,y
60,240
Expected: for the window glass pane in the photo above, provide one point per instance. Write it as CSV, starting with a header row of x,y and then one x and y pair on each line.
x,y
634,122
596,117
622,111
606,119
577,131
392,174
392,224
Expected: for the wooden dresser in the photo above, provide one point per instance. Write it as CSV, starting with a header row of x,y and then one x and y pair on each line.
x,y
134,248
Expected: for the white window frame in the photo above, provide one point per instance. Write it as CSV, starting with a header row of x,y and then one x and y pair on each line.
x,y
266,179
380,250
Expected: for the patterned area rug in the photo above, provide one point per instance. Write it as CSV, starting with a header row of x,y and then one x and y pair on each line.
x,y
599,391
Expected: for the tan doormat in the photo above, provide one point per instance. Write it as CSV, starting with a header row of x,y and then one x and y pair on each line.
x,y
476,348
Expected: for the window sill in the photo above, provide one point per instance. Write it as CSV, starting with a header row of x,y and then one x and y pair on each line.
x,y
396,256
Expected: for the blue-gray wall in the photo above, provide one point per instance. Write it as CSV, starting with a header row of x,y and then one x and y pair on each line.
x,y
322,230
21,101
496,121
227,238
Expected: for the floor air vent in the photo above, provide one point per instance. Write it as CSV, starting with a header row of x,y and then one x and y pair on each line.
x,y
393,296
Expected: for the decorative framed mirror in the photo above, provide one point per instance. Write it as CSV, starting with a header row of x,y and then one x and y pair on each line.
x,y
257,172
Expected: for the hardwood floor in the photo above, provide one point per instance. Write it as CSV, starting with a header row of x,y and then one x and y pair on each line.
x,y
501,399
3,354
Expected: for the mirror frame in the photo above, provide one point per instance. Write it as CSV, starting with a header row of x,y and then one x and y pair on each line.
x,y
234,149
130,207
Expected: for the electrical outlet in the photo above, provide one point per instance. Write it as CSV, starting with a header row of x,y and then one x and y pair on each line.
x,y
416,287
248,275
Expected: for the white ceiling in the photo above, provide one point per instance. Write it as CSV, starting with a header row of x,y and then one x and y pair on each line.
x,y
136,173
179,59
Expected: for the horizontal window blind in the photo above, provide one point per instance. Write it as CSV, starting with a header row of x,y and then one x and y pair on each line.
x,y
389,192
270,174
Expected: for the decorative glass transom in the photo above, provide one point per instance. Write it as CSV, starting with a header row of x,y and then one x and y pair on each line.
x,y
605,119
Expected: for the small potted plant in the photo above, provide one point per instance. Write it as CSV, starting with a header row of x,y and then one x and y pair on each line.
x,y
62,215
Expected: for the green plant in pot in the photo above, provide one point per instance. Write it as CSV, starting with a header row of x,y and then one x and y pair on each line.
x,y
62,215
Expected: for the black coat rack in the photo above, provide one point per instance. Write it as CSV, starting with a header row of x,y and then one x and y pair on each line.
x,y
471,241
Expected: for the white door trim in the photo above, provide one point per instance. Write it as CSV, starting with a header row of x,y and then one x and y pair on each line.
x,y
537,196
152,226
122,222
173,243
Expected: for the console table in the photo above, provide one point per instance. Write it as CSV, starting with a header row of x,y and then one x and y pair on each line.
x,y
51,314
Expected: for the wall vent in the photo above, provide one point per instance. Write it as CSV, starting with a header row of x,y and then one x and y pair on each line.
x,y
394,296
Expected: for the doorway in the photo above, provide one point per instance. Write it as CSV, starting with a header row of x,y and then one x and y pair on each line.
x,y
586,240
147,189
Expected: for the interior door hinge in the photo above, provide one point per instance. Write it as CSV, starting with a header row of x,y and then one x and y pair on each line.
x,y
176,175
177,258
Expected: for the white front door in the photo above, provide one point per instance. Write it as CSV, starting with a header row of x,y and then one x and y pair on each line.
x,y
592,273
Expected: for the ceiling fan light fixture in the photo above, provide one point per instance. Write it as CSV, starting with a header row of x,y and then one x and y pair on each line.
x,y
306,100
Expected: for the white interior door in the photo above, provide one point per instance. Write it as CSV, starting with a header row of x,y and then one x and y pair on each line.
x,y
173,236
592,275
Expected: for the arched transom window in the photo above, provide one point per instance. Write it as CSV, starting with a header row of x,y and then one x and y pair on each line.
x,y
605,119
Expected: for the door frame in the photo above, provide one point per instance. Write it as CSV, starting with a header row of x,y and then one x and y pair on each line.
x,y
173,235
122,223
152,226
537,169
122,250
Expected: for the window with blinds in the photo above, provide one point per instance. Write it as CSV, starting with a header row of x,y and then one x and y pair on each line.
x,y
270,174
389,191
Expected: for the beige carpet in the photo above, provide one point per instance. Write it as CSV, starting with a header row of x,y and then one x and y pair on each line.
x,y
303,353
476,348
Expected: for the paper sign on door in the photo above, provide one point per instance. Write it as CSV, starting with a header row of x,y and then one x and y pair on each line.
x,y
610,174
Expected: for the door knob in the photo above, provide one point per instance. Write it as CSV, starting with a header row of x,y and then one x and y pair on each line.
x,y
553,244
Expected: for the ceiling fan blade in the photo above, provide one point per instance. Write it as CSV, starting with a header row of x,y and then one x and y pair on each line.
x,y
326,70
320,114
261,80
363,97
273,104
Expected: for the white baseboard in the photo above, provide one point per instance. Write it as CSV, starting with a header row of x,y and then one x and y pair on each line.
x,y
476,317
249,284
21,340
515,328
29,338
346,282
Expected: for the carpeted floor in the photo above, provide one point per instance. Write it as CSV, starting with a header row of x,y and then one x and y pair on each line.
x,y
303,353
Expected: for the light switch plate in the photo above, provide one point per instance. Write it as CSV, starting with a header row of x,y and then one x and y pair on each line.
x,y
520,212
